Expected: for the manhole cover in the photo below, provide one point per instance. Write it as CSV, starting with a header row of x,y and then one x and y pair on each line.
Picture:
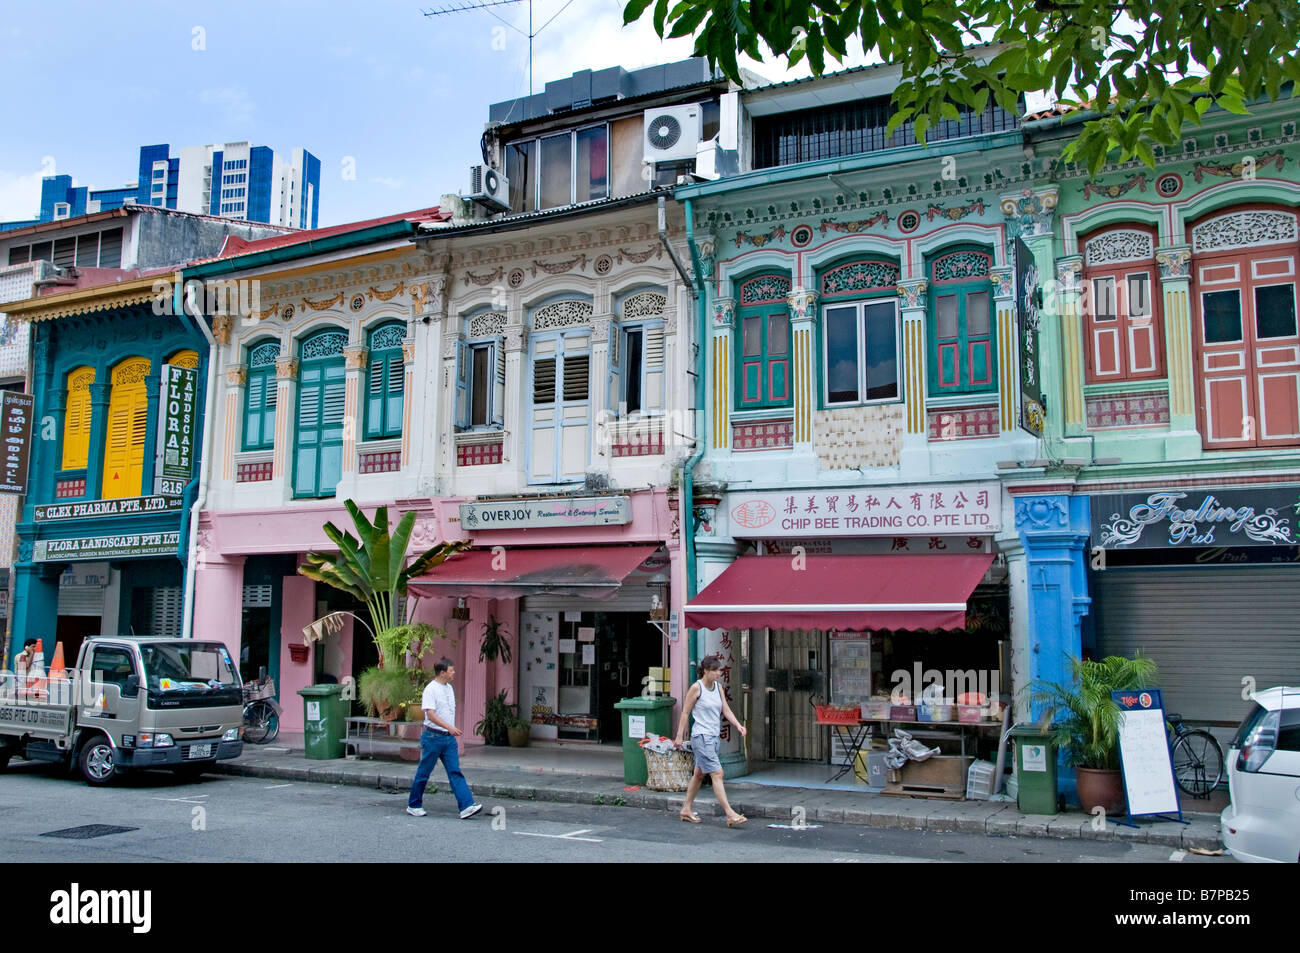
x,y
87,831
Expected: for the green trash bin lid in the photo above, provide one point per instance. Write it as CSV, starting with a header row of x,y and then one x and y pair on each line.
x,y
645,704
320,691
1032,731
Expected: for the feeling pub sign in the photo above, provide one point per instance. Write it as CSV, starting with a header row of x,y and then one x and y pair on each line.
x,y
1257,516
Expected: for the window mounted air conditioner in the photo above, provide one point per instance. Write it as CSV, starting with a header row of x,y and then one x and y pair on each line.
x,y
489,188
672,133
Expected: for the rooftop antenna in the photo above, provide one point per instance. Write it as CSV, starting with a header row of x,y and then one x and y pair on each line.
x,y
462,7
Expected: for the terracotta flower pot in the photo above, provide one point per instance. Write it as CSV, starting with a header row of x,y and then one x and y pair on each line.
x,y
1100,789
518,737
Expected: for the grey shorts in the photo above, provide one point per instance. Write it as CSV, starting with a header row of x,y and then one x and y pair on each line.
x,y
705,750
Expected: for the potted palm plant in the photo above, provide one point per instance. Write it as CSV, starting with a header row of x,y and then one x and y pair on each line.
x,y
498,716
495,644
1086,722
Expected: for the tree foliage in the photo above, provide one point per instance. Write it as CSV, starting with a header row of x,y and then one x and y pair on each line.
x,y
1144,67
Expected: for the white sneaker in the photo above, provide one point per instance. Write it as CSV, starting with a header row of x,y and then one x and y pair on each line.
x,y
471,811
417,812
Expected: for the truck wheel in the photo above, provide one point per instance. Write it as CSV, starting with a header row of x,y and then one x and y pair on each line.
x,y
96,761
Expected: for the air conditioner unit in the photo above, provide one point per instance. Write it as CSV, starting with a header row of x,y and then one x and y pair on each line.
x,y
489,188
672,133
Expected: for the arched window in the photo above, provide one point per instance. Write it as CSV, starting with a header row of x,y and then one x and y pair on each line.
x,y
76,419
763,311
637,354
187,358
962,351
384,392
859,332
318,443
128,419
1121,314
259,396
481,372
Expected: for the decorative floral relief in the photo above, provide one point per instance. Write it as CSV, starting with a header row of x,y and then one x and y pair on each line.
x,y
329,344
486,278
389,337
1121,244
356,357
286,368
801,303
759,240
880,218
1239,229
956,212
562,314
765,288
912,293
961,265
132,372
324,305
640,257
559,267
1235,170
264,355
859,276
1173,264
1117,189
487,325
644,304
724,312
388,295
81,380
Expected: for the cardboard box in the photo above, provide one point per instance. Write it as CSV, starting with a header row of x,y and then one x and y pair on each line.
x,y
942,776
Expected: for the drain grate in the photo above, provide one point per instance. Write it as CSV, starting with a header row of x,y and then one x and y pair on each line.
x,y
87,831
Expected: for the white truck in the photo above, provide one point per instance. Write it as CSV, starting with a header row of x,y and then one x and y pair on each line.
x,y
131,702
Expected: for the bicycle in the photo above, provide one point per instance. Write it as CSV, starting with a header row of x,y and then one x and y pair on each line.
x,y
261,711
1197,757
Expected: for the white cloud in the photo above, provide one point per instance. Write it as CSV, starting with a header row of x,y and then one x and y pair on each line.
x,y
233,101
20,195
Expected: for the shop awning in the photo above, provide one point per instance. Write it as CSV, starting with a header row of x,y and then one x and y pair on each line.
x,y
846,593
591,572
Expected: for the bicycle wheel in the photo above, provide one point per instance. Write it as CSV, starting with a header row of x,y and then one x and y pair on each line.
x,y
272,725
255,722
1198,763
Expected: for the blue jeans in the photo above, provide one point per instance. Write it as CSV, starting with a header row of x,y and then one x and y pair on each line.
x,y
435,745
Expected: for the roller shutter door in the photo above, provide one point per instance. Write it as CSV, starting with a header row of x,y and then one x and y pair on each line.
x,y
629,599
1207,628
81,600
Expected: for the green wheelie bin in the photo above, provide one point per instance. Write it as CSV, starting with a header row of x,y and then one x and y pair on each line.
x,y
1035,769
642,716
324,721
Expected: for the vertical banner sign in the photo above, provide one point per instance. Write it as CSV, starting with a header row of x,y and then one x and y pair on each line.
x,y
16,425
1029,299
179,393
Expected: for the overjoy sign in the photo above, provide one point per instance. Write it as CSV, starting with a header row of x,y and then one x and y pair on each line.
x,y
528,514
1255,517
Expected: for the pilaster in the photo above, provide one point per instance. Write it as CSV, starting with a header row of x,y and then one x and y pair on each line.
x,y
1069,275
912,304
720,383
1184,440
355,357
803,312
286,380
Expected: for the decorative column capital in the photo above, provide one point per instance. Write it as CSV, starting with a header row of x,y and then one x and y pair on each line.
x,y
221,325
430,296
1174,262
803,304
516,338
449,344
1069,274
100,391
724,312
1030,212
1004,283
286,368
355,357
408,350
600,325
912,294
237,375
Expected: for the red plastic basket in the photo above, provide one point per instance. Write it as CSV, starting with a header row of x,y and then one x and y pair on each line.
x,y
834,715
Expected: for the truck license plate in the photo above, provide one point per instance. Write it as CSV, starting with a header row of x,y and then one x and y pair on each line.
x,y
200,751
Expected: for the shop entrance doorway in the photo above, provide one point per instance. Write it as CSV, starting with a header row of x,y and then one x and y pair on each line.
x,y
796,672
627,646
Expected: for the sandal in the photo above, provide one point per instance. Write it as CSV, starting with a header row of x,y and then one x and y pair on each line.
x,y
737,821
691,818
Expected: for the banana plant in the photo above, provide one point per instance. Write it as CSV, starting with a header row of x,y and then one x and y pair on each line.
x,y
372,566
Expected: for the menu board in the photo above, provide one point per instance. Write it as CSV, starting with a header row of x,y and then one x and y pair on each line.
x,y
1144,753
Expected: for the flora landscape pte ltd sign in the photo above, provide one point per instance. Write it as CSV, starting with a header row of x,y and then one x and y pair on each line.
x,y
106,547
1255,516
867,511
536,514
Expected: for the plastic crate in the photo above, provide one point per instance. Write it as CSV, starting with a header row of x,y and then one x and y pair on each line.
x,y
979,781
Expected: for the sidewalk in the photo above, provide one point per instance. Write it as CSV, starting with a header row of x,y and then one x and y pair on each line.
x,y
502,780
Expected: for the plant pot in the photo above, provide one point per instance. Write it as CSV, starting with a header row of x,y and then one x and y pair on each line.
x,y
1101,789
518,736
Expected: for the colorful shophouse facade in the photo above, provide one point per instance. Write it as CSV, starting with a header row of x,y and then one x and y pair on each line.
x,y
862,391
1178,400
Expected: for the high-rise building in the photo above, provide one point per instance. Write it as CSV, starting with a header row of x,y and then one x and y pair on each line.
x,y
234,180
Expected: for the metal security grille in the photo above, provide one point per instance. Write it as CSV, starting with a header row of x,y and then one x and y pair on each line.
x,y
1208,628
854,128
629,599
165,615
257,597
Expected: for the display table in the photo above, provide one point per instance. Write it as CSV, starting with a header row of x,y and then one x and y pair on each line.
x,y
853,734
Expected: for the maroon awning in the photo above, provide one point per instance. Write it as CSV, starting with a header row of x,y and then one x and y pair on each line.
x,y
846,593
590,572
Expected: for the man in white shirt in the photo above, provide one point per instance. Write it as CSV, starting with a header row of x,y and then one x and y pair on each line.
x,y
438,740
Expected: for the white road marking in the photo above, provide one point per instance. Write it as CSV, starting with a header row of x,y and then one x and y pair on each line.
x,y
1178,855
573,835
188,800
272,787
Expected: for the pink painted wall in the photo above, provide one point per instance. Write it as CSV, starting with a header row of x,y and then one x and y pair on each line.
x,y
219,601
299,610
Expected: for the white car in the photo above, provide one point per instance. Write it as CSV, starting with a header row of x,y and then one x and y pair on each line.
x,y
1261,824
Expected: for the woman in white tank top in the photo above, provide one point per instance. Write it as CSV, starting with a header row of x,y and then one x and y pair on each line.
x,y
708,702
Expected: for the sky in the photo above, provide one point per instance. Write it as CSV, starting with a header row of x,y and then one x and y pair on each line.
x,y
376,88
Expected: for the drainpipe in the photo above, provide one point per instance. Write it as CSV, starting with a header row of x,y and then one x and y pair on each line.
x,y
687,502
209,411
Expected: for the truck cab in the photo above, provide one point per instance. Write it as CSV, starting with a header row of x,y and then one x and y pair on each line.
x,y
132,702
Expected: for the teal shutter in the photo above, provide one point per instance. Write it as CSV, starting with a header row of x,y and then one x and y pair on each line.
x,y
497,361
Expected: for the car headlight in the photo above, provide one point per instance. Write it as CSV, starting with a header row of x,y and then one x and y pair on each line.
x,y
231,735
162,740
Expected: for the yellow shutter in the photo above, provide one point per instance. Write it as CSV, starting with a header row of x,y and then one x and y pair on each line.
x,y
76,419
128,413
188,359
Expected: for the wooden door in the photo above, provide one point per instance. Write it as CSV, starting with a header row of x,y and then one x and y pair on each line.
x,y
561,408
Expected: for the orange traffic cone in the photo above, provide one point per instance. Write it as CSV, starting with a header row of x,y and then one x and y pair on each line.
x,y
36,674
60,685
57,668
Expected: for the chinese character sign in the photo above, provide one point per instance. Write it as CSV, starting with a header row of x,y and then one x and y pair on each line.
x,y
1029,299
950,510
16,422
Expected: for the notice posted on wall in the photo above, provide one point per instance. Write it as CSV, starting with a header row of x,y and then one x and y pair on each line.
x,y
587,633
568,646
572,616
589,655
